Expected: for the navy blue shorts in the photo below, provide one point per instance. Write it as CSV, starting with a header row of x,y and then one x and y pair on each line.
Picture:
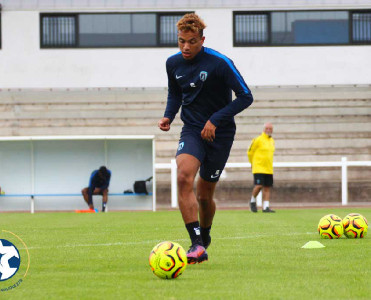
x,y
212,155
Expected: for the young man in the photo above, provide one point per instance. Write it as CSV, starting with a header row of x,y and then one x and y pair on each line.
x,y
98,185
201,80
260,156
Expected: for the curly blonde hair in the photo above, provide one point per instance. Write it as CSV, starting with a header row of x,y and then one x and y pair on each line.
x,y
191,22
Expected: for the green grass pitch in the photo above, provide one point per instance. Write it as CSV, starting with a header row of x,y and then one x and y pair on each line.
x,y
252,256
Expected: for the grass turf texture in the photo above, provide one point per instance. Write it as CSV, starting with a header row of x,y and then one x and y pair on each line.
x,y
252,256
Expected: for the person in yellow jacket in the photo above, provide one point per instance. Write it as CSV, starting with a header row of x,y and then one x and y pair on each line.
x,y
260,154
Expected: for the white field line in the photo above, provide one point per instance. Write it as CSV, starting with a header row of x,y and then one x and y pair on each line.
x,y
254,236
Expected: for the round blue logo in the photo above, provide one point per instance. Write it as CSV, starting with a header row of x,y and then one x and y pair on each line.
x,y
10,260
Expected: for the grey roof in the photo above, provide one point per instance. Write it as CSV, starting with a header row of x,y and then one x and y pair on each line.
x,y
180,4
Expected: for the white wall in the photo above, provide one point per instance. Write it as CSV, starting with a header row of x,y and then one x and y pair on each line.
x,y
24,65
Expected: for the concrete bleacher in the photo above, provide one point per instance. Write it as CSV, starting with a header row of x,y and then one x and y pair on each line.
x,y
320,123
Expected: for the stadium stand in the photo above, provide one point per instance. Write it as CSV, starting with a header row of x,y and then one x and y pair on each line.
x,y
311,123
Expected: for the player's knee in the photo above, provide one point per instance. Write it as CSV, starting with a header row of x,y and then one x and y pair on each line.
x,y
84,191
203,200
184,179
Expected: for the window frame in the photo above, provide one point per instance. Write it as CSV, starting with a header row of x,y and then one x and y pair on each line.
x,y
76,15
269,25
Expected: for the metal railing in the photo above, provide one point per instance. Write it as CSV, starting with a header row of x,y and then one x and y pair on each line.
x,y
343,164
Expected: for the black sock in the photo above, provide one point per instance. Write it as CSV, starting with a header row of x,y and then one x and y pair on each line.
x,y
205,233
104,206
194,232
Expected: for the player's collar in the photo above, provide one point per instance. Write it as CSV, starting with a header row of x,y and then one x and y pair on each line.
x,y
197,57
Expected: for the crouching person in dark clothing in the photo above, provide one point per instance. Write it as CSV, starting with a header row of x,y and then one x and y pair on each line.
x,y
98,185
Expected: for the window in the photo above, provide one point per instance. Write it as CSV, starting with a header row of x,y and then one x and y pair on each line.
x,y
310,28
109,30
168,30
59,31
251,28
294,28
117,30
361,24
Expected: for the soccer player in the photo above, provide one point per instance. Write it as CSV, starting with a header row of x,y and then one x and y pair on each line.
x,y
201,80
260,154
98,185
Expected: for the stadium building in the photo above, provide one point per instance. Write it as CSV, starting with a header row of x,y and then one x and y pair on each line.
x,y
97,67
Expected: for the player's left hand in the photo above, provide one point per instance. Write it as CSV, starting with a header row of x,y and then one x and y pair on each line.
x,y
208,133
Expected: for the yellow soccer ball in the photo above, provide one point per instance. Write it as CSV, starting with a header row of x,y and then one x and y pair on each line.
x,y
168,260
330,227
355,226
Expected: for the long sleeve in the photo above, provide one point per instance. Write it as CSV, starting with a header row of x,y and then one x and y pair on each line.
x,y
251,150
174,98
244,98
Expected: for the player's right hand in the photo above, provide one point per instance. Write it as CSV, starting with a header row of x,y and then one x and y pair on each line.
x,y
164,124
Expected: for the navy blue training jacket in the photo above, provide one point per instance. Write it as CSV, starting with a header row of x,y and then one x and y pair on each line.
x,y
203,87
97,182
